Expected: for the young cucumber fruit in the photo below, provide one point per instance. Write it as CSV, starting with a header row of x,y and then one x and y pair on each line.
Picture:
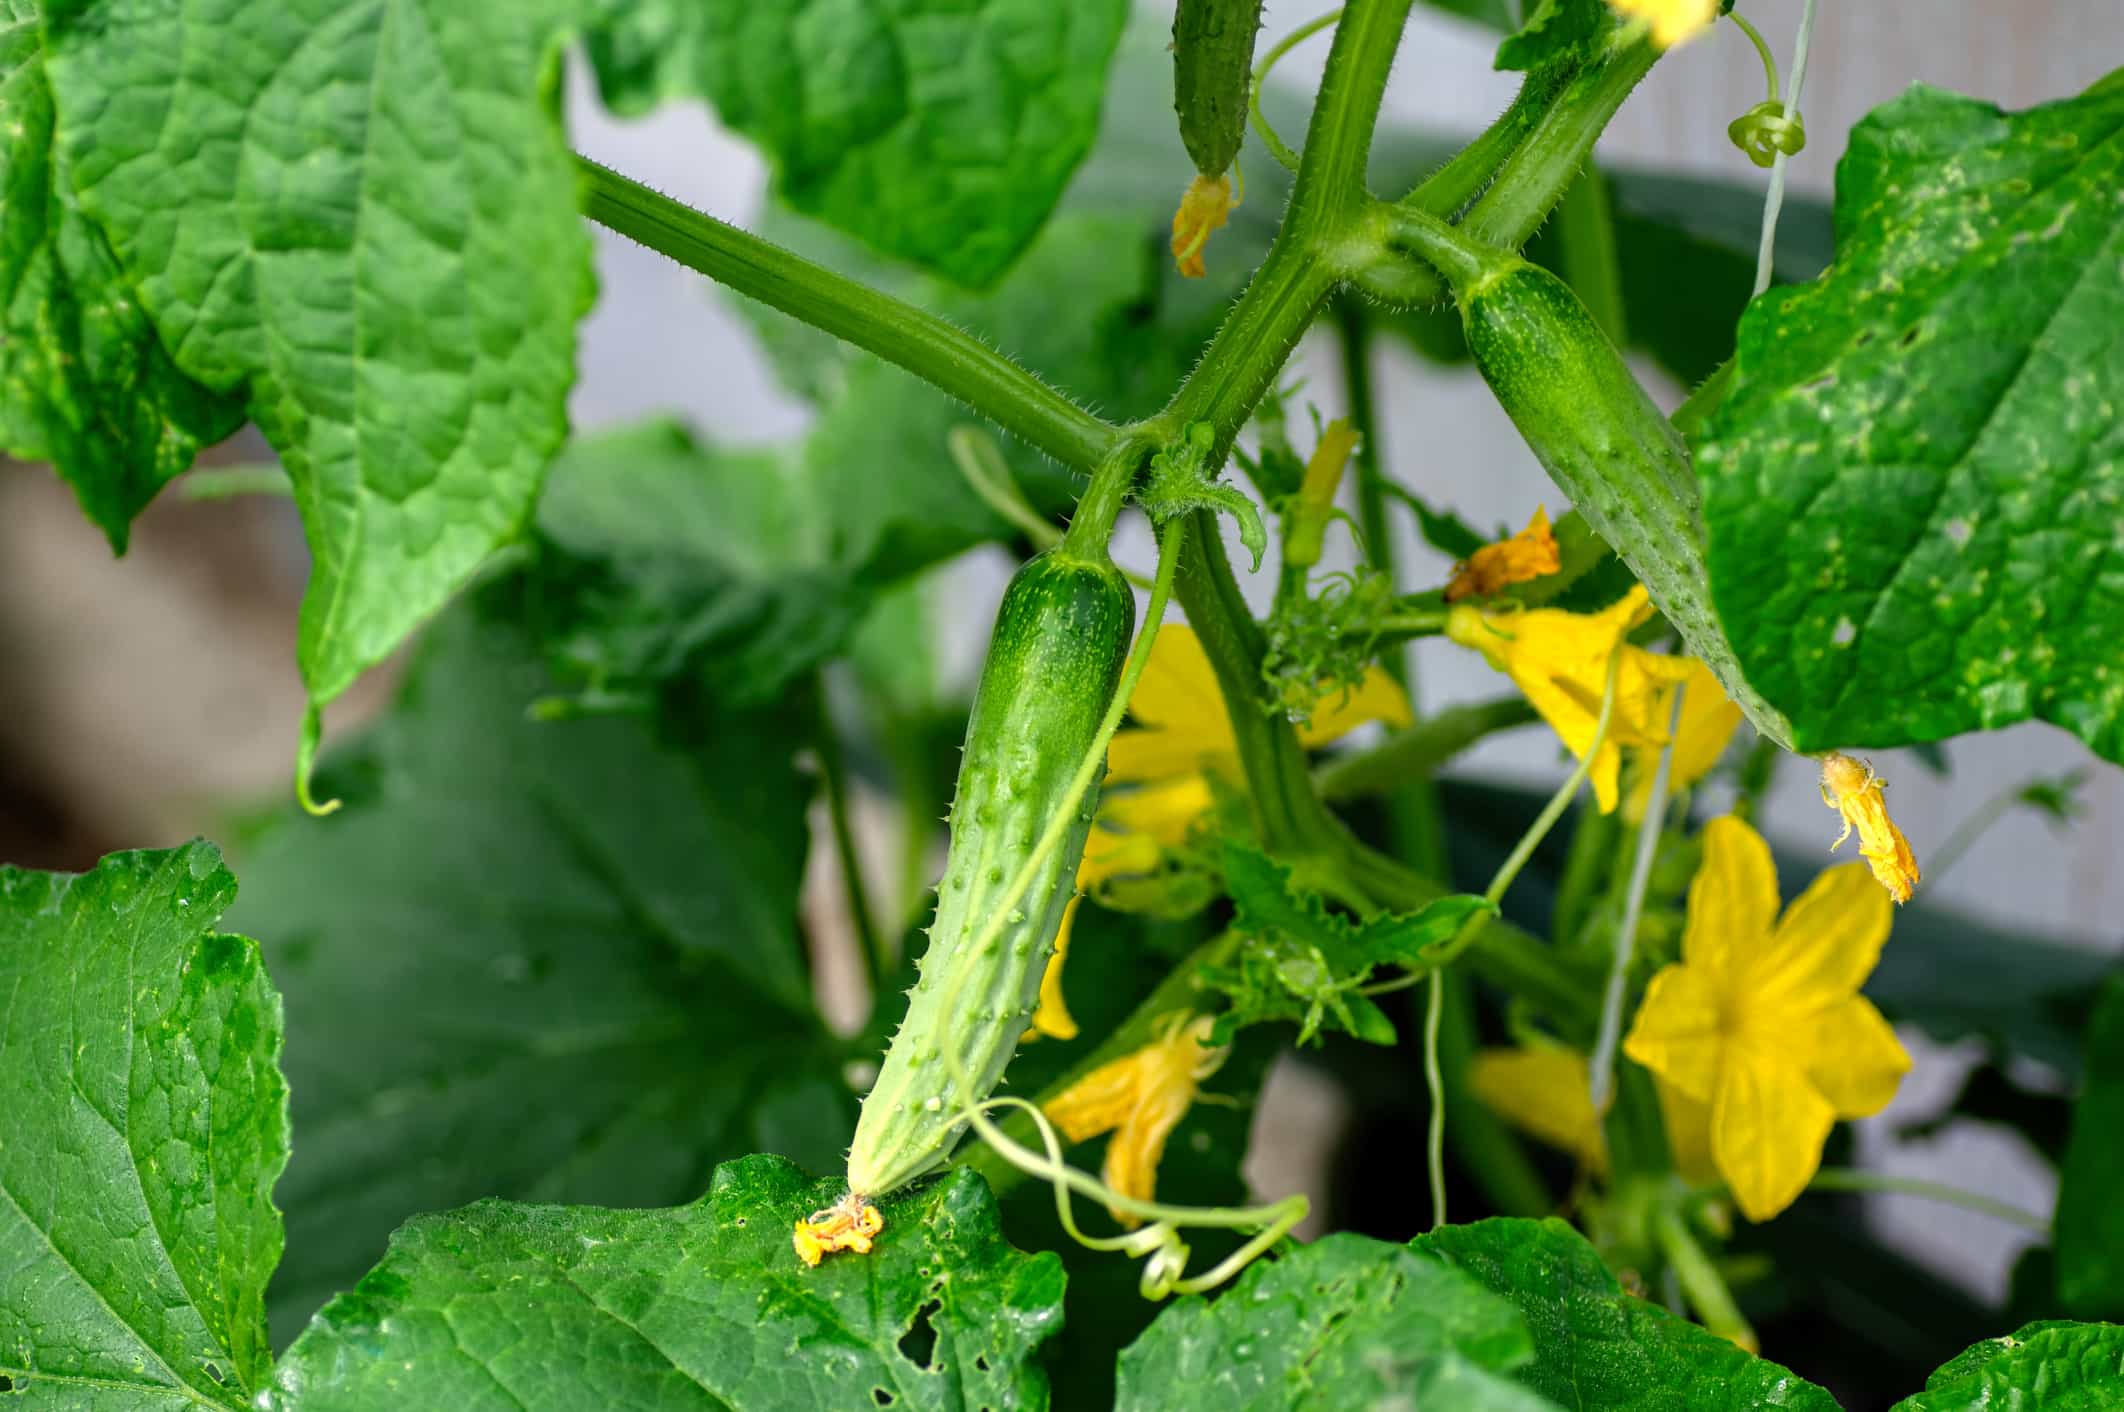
x,y
1605,445
1213,59
1054,662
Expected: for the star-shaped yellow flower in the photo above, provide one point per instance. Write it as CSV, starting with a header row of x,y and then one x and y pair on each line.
x,y
1560,661
1762,1019
1852,789
1528,555
1140,1098
1204,207
1672,21
1708,720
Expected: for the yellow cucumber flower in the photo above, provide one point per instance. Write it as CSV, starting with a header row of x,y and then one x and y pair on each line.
x,y
1528,555
1708,720
1204,207
1544,1090
1140,1098
1560,661
848,1224
1672,21
1852,789
1762,1020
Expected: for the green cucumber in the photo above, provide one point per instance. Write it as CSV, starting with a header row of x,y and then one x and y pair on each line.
x,y
1054,661
1213,60
1590,424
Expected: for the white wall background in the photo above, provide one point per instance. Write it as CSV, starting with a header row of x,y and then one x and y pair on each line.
x,y
662,340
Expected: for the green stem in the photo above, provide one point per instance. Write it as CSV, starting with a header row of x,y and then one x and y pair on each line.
x,y
1434,1084
1852,1179
1488,1151
833,775
1700,1281
949,358
1415,754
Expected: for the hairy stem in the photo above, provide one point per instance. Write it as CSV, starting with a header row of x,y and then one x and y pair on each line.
x,y
949,358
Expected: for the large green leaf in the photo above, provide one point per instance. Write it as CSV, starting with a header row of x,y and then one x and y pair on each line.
x,y
363,216
1595,1346
704,1306
938,131
551,961
1345,1322
83,382
665,558
2090,1219
1912,490
2055,1366
144,1123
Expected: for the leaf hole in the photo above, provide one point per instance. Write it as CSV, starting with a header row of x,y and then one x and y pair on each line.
x,y
7,1384
881,1397
213,1370
1910,336
981,1361
919,1344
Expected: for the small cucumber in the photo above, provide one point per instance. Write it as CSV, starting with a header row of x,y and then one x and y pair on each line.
x,y
1605,444
1061,637
1213,60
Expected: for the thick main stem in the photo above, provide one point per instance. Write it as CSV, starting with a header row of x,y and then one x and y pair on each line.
x,y
948,358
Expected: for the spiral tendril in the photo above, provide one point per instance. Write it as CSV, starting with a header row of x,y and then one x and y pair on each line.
x,y
1766,130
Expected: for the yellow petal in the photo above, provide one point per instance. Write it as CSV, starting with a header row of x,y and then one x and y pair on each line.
x,y
1178,688
1378,697
1528,555
1051,1017
1767,1128
1708,720
849,1224
1140,1097
1144,756
1544,1091
1672,21
1111,855
1164,812
1680,1031
1688,1124
1732,899
1204,206
1827,943
1853,1058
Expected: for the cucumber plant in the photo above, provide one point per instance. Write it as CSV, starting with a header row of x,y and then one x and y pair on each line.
x,y
525,1094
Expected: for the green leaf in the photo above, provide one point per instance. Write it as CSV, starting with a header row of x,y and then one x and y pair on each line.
x,y
938,131
2090,1218
363,218
145,1123
703,1306
1344,1322
2057,1366
1558,29
663,559
83,382
595,917
1595,1346
1304,963
1912,488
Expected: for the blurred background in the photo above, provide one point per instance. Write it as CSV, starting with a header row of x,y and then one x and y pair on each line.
x,y
148,699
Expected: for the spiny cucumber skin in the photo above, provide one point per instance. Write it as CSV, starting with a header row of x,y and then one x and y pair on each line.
x,y
1054,662
1213,61
1609,448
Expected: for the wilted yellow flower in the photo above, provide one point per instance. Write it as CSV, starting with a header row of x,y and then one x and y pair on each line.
x,y
1204,207
1762,1020
1528,555
848,1224
1708,720
1545,1090
1852,789
1560,661
1140,1098
1672,21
